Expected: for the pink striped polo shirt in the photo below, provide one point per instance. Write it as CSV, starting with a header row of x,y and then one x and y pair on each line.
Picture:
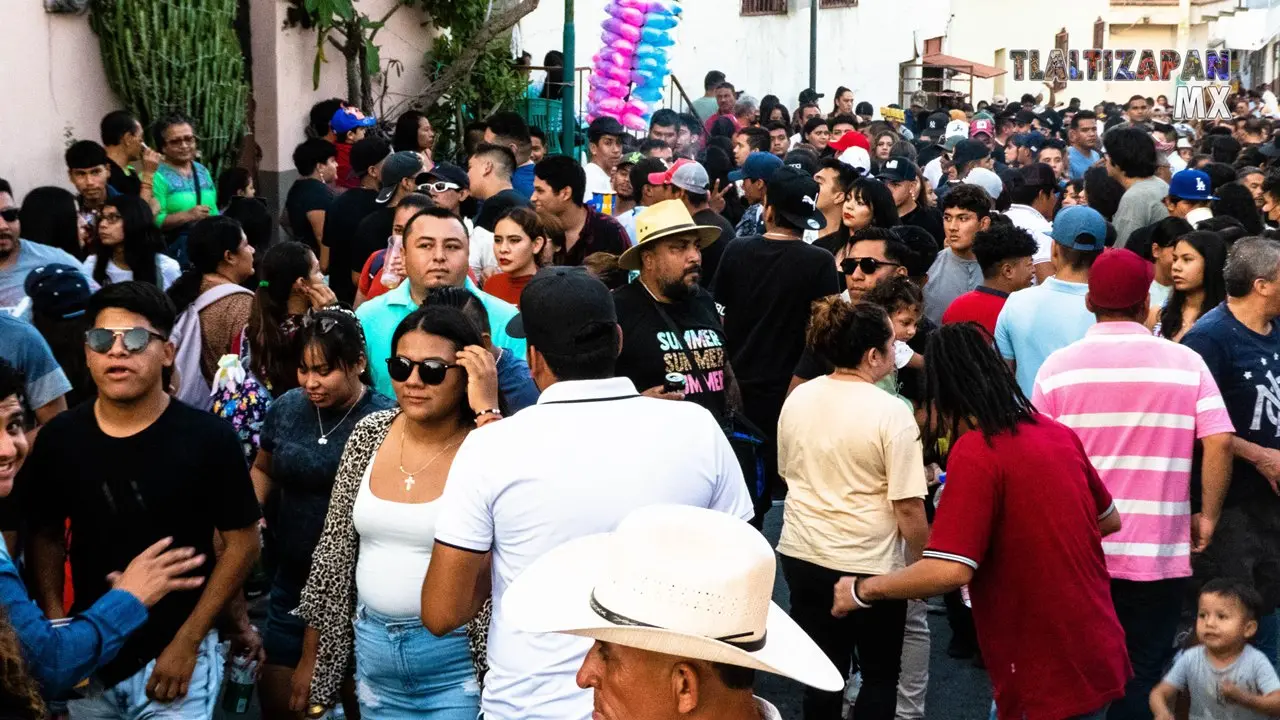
x,y
1138,403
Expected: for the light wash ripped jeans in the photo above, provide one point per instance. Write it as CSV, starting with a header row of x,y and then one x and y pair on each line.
x,y
405,672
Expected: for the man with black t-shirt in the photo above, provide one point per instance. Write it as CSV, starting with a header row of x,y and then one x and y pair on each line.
x,y
669,323
903,178
348,209
309,197
133,164
156,468
558,188
398,178
764,287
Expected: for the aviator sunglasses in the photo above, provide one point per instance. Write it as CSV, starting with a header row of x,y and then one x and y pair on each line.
x,y
101,340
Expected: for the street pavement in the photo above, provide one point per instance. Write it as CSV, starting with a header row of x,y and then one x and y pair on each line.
x,y
957,690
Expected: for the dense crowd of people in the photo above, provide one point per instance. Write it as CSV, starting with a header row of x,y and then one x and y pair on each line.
x,y
497,434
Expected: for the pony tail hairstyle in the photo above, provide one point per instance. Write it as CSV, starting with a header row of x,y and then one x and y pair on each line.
x,y
207,244
842,333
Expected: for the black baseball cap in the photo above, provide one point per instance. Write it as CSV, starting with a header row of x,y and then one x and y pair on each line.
x,y
603,126
1024,117
803,160
565,311
968,151
58,290
793,194
897,169
936,124
447,172
809,95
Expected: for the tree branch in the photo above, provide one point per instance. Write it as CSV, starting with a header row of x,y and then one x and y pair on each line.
x,y
476,46
382,22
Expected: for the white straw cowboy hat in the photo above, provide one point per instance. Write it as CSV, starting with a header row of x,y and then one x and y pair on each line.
x,y
672,579
663,220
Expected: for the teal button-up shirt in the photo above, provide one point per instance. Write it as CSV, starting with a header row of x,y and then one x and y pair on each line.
x,y
381,315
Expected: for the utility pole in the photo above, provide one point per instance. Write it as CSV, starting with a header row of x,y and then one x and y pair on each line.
x,y
813,44
568,118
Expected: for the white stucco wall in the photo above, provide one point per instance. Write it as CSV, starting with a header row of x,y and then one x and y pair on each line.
x,y
54,84
857,47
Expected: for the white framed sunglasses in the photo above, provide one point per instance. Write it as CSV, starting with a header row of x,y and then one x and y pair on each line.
x,y
438,187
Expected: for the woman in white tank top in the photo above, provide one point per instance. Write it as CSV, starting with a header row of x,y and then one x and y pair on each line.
x,y
378,535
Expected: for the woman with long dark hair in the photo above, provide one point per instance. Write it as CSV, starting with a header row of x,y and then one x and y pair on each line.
x,y
414,133
1198,283
553,88
49,216
289,283
302,438
129,246
850,453
220,255
1023,533
841,102
869,204
378,535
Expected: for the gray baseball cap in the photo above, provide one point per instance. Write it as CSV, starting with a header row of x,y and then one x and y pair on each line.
x,y
397,167
691,177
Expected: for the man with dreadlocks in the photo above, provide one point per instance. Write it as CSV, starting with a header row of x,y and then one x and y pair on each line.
x,y
1024,534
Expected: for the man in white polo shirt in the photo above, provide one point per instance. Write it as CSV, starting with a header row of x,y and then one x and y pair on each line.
x,y
570,466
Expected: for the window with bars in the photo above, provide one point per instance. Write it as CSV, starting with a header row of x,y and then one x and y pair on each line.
x,y
764,7
824,4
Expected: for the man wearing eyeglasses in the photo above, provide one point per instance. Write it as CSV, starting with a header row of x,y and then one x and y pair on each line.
x,y
18,257
159,469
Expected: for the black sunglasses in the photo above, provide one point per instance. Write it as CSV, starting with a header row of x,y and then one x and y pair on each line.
x,y
431,372
322,325
9,214
101,340
867,265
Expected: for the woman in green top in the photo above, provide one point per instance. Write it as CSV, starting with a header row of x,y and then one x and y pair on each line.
x,y
183,188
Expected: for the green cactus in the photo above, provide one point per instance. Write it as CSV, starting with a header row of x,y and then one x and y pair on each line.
x,y
162,56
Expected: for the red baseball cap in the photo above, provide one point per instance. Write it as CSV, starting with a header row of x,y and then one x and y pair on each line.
x,y
853,138
665,178
1119,279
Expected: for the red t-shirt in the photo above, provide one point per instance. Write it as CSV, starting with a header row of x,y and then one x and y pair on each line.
x,y
506,287
982,306
1023,512
346,178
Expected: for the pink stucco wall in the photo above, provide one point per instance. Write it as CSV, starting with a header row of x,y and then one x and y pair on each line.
x,y
54,83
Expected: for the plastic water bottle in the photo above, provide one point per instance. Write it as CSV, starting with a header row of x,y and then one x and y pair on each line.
x,y
235,701
391,277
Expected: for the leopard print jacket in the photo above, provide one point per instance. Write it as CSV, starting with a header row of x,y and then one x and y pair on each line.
x,y
329,599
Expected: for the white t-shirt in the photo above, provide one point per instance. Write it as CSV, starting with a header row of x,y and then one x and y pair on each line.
x,y
168,267
598,181
566,467
1030,219
481,253
933,172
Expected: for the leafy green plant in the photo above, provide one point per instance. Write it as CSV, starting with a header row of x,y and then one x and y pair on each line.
x,y
469,72
162,56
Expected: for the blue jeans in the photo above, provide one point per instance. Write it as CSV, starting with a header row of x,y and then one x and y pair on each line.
x,y
127,699
403,671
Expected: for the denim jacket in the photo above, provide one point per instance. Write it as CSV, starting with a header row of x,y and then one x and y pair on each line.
x,y
60,655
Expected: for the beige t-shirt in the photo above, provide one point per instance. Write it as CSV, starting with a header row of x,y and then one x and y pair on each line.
x,y
847,450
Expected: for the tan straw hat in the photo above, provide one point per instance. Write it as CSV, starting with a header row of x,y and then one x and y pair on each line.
x,y
672,579
663,220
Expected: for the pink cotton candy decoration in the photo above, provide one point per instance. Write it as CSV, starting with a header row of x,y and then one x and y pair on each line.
x,y
634,122
627,32
611,106
641,5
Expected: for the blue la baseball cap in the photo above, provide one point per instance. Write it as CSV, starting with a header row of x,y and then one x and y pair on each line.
x,y
759,166
1080,228
1191,185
